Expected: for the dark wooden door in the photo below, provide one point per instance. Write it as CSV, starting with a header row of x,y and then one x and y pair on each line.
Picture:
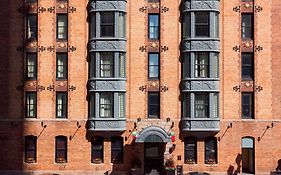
x,y
153,158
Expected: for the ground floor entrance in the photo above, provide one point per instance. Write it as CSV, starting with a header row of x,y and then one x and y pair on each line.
x,y
154,158
248,156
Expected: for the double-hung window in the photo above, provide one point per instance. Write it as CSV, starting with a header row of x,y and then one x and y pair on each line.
x,y
97,150
153,69
247,105
107,24
247,66
190,150
210,150
31,65
61,105
153,105
31,24
247,26
201,105
61,72
30,149
61,149
31,104
201,65
62,27
106,105
153,26
116,150
202,24
107,64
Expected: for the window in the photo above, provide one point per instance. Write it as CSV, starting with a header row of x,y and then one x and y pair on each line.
x,y
61,105
247,105
190,150
106,105
61,149
153,69
106,64
30,149
247,66
186,105
93,25
61,72
186,65
122,65
92,68
121,25
248,155
92,105
31,31
247,26
216,25
107,24
202,105
31,104
121,103
31,65
153,26
201,24
97,150
62,27
153,105
186,28
116,150
210,150
201,65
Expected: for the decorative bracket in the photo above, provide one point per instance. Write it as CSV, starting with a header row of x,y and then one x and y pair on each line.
x,y
71,9
41,9
51,48
40,88
164,48
236,48
71,49
164,9
41,49
143,9
164,88
258,88
237,88
258,8
258,48
143,48
236,9
142,88
71,88
51,9
51,88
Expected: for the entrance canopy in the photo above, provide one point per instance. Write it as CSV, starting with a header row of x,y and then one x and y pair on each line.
x,y
153,134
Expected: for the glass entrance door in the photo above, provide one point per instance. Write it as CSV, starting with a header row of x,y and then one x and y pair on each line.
x,y
153,158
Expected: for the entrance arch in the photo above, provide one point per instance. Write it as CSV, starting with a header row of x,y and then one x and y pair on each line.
x,y
150,133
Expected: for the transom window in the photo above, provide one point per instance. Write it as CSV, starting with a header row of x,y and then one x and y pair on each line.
x,y
201,105
107,24
247,105
153,26
153,105
97,150
106,64
31,65
31,104
106,105
201,24
62,27
153,70
201,65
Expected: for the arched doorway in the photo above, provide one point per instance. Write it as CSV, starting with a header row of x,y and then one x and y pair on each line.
x,y
248,155
154,139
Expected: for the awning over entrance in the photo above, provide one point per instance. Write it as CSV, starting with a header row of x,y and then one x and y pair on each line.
x,y
153,134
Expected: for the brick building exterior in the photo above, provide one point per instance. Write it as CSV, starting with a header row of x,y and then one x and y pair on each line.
x,y
129,86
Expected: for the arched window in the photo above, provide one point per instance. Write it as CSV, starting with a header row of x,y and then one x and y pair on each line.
x,y
117,149
30,149
97,150
211,150
61,149
190,150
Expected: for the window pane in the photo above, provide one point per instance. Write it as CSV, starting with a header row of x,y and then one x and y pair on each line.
x,y
153,23
216,65
62,27
201,65
97,150
247,66
61,66
122,25
201,24
190,145
216,23
61,111
154,105
116,150
247,26
122,65
31,31
202,105
106,105
153,65
31,104
107,24
216,105
186,29
247,106
31,66
121,102
106,63
210,150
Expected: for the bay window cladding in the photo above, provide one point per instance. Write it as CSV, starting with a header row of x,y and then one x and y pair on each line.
x,y
200,65
201,105
107,105
107,24
200,24
107,65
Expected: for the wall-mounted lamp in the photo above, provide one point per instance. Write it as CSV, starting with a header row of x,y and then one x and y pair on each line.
x,y
168,119
42,125
78,125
